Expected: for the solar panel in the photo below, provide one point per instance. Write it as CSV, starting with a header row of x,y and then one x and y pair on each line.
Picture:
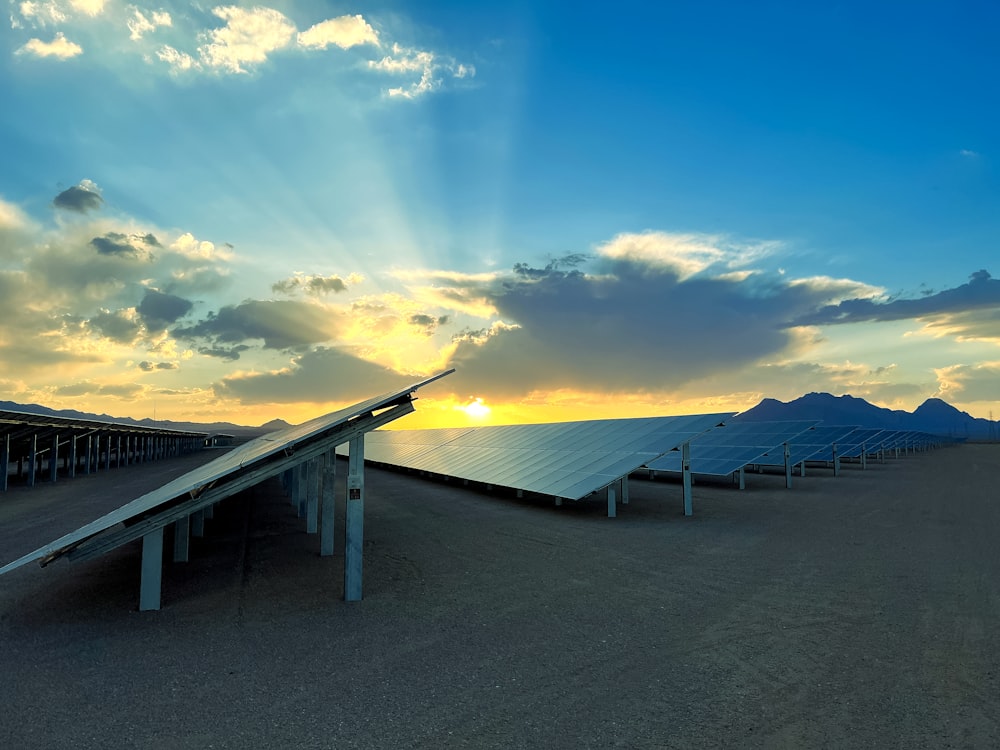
x,y
815,444
727,449
568,460
244,466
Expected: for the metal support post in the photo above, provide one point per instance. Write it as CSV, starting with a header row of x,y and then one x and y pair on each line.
x,y
4,462
612,510
54,459
198,523
327,504
743,482
355,520
152,570
300,490
312,496
686,478
624,490
836,461
182,538
32,459
788,467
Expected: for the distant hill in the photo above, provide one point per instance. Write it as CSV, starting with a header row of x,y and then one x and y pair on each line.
x,y
934,415
226,428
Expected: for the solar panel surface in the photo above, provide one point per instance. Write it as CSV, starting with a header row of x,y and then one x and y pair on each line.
x,y
564,459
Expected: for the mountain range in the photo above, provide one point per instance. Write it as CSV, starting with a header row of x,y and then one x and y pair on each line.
x,y
226,428
934,415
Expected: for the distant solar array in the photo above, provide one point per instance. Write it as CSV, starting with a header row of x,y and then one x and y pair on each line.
x,y
725,450
34,446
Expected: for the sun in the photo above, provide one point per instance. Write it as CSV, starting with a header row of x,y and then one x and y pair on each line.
x,y
476,409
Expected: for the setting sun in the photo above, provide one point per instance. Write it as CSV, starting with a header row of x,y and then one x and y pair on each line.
x,y
476,409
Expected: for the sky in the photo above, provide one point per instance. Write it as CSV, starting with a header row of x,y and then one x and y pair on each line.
x,y
244,212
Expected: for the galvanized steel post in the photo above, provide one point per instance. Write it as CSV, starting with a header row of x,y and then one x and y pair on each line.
x,y
355,520
686,478
152,570
327,504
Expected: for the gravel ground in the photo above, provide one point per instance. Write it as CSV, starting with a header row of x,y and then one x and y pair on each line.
x,y
853,611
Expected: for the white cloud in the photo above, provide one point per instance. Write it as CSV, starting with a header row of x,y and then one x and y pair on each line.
x,y
684,254
139,24
179,62
88,7
830,291
248,37
431,67
60,47
345,32
41,14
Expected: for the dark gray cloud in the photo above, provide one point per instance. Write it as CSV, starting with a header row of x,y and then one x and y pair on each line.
x,y
80,198
130,245
429,323
981,292
231,353
159,310
312,285
635,329
321,375
281,324
147,366
117,326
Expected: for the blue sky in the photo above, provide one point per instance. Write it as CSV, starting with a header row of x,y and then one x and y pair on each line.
x,y
250,211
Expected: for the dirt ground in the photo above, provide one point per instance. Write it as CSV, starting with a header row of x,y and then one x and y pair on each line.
x,y
854,611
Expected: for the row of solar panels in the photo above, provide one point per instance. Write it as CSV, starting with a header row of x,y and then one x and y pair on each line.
x,y
572,460
721,452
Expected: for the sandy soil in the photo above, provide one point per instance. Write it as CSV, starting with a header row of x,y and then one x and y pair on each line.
x,y
853,611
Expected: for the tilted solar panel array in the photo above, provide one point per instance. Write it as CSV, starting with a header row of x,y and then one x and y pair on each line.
x,y
191,484
566,459
724,450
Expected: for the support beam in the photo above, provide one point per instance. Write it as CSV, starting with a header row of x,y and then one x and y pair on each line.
x,y
788,467
836,461
54,459
328,504
4,462
743,481
624,488
182,539
152,570
612,510
198,523
312,496
686,478
32,459
354,531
